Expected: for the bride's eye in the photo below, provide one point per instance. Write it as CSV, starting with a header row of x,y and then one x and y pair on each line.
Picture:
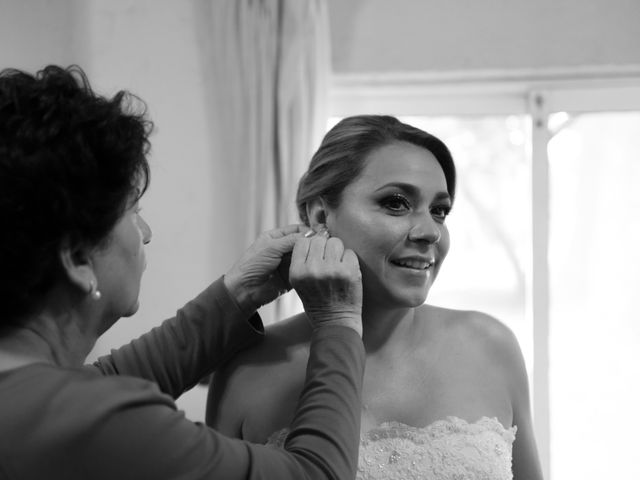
x,y
440,212
396,203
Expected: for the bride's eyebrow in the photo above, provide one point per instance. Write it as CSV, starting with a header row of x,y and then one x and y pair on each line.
x,y
442,197
407,187
411,189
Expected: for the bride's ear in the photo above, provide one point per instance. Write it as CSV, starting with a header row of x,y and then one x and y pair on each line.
x,y
317,214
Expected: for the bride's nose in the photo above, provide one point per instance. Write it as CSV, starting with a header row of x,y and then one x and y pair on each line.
x,y
424,228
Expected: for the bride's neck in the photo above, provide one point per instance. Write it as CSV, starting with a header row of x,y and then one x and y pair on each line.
x,y
382,327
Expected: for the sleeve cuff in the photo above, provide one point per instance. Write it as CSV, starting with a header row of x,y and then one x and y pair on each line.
x,y
230,305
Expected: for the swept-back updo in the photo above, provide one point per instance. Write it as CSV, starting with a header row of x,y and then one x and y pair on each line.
x,y
341,156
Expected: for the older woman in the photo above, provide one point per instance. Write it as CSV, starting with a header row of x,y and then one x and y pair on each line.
x,y
72,169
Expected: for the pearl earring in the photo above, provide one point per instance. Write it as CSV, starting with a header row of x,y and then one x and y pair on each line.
x,y
94,292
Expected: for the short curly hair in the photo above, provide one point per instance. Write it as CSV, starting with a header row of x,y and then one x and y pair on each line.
x,y
70,162
341,156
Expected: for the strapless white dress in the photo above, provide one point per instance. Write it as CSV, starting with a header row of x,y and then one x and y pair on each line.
x,y
449,449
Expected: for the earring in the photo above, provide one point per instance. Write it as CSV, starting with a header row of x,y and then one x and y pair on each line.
x,y
324,230
94,292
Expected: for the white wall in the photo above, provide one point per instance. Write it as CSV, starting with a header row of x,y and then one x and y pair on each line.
x,y
436,35
35,32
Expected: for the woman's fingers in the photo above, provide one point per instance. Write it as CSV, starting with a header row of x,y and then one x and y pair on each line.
x,y
328,281
319,249
317,246
262,272
334,249
288,230
300,252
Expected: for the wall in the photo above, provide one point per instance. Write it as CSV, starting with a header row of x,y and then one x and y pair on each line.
x,y
35,32
434,35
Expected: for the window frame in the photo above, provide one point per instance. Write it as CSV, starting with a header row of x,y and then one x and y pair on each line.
x,y
536,93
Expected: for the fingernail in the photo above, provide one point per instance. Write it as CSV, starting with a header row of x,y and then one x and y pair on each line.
x,y
310,233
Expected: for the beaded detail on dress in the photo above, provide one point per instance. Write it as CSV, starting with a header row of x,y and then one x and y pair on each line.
x,y
449,449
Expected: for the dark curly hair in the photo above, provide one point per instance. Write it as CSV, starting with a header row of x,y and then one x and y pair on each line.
x,y
70,161
341,156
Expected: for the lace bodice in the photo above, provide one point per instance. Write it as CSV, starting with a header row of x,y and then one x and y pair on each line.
x,y
450,449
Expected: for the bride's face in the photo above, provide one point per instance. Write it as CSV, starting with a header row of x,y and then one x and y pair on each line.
x,y
393,217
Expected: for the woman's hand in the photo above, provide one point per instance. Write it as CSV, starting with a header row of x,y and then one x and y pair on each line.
x,y
261,274
327,278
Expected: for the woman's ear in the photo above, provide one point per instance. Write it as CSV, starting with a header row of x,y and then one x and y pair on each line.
x,y
317,214
76,263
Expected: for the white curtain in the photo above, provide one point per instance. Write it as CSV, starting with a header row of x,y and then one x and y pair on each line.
x,y
269,72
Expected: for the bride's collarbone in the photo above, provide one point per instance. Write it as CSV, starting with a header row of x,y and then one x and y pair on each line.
x,y
394,391
421,388
420,407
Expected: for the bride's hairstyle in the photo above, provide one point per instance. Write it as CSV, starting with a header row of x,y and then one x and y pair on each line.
x,y
342,153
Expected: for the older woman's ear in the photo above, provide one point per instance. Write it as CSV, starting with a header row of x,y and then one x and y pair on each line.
x,y
76,264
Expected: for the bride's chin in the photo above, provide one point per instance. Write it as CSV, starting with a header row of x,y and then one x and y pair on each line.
x,y
395,300
416,299
414,303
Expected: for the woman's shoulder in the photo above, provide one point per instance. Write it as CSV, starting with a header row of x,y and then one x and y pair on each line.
x,y
491,345
275,368
291,331
285,343
477,340
478,329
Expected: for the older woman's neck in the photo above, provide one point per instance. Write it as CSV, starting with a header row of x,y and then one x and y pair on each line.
x,y
46,338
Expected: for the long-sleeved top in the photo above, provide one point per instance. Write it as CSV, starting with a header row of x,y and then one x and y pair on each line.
x,y
117,419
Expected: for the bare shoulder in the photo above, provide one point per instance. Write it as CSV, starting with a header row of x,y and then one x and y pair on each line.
x,y
484,337
252,387
282,343
485,330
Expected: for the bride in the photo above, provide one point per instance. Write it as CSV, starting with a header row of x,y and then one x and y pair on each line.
x,y
445,391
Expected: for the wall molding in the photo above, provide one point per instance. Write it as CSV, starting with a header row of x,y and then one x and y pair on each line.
x,y
476,91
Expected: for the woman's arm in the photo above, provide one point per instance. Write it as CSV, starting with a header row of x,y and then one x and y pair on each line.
x,y
149,440
212,327
204,333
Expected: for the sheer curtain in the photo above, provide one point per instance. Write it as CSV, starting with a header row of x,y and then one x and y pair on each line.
x,y
269,71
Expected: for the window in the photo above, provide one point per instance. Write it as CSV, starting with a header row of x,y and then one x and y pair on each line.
x,y
546,237
594,327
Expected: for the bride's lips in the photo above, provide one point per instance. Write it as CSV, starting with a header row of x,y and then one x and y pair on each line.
x,y
414,262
